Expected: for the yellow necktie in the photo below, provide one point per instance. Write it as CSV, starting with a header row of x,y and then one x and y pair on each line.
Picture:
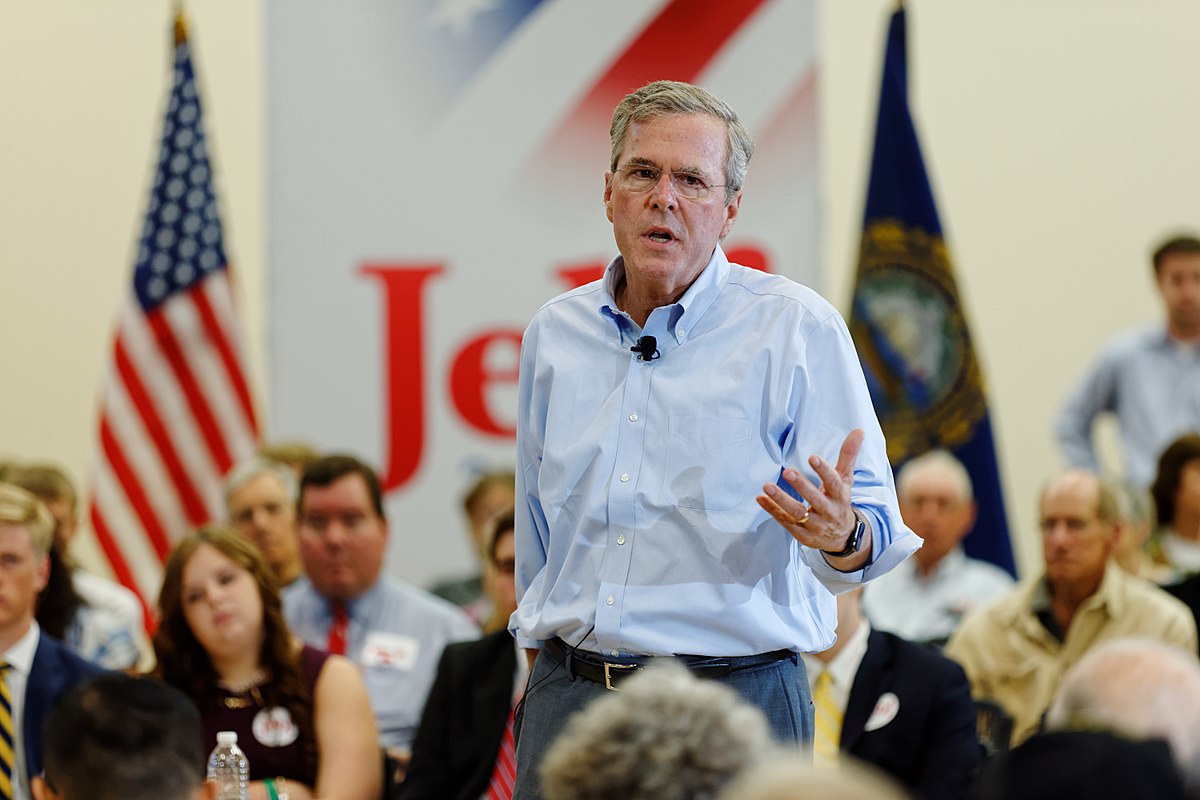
x,y
828,722
6,735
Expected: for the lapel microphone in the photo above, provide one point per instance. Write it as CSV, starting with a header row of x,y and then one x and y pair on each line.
x,y
647,348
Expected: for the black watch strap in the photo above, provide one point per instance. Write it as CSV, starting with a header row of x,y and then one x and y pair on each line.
x,y
854,543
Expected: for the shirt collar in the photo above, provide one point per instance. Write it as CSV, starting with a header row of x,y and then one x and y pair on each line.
x,y
21,654
844,665
685,312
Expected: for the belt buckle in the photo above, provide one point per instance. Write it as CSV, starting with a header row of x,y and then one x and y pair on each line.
x,y
608,667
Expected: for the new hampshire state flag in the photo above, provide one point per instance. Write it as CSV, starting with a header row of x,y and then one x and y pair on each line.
x,y
907,318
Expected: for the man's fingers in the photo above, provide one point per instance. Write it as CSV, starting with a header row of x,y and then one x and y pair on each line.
x,y
849,454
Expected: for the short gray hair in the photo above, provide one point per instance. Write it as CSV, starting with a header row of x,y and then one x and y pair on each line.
x,y
671,98
936,460
1137,687
667,735
251,468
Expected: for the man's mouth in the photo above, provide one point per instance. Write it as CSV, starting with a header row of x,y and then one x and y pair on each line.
x,y
662,237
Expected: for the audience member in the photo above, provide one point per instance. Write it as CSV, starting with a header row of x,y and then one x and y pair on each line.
x,y
924,598
666,735
465,742
786,777
116,737
491,494
260,499
394,632
292,453
898,705
35,670
1175,544
1138,688
1149,379
1016,650
1135,522
302,716
50,484
1092,764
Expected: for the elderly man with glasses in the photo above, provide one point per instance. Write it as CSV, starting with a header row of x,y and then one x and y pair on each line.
x,y
700,468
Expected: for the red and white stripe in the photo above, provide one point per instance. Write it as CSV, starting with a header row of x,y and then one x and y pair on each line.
x,y
176,415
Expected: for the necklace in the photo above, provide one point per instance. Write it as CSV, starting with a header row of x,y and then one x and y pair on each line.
x,y
250,685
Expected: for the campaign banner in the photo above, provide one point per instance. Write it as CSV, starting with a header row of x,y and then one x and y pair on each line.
x,y
436,173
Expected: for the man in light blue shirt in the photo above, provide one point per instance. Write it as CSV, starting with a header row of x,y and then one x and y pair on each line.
x,y
1149,379
653,406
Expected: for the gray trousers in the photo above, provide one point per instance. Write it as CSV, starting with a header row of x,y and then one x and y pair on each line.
x,y
780,689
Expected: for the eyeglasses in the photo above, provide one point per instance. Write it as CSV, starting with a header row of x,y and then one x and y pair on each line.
x,y
643,178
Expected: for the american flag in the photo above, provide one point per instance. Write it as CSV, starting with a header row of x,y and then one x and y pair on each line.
x,y
176,410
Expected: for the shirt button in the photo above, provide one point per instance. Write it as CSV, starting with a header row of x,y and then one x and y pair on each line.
x,y
621,539
624,477
610,600
633,417
613,653
680,332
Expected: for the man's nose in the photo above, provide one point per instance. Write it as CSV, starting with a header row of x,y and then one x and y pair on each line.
x,y
663,194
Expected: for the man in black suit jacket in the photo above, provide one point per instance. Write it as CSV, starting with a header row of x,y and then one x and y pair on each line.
x,y
43,669
908,710
468,707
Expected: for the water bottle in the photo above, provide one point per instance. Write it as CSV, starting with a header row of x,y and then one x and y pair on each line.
x,y
228,767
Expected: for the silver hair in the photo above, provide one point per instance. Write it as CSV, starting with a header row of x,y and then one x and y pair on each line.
x,y
1135,505
788,777
666,735
936,460
671,98
1137,687
251,468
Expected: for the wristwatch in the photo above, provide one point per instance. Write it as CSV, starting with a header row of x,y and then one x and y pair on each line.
x,y
854,543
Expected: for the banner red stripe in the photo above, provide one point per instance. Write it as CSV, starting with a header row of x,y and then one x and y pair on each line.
x,y
134,492
678,43
229,359
194,508
116,560
169,346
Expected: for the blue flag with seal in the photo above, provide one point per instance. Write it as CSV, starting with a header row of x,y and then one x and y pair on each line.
x,y
907,317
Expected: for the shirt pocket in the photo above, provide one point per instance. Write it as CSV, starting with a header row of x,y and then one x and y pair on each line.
x,y
706,464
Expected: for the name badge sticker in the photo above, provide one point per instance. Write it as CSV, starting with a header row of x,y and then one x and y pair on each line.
x,y
390,650
273,727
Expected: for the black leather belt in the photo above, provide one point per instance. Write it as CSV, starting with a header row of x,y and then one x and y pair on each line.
x,y
609,672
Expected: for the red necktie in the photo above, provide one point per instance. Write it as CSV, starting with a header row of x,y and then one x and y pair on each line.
x,y
504,774
337,629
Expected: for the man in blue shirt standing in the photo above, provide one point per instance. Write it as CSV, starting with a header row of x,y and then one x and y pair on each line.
x,y
653,405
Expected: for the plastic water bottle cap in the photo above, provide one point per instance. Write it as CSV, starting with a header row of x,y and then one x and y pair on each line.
x,y
227,737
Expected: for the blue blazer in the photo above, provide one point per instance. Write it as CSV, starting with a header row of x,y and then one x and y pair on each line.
x,y
464,720
55,671
918,705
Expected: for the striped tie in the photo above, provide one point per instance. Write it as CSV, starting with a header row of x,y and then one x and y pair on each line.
x,y
504,774
827,723
6,735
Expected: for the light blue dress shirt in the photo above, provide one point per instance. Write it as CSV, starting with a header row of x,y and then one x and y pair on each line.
x,y
637,530
1152,384
395,636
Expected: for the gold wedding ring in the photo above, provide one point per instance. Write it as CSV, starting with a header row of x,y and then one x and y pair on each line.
x,y
804,519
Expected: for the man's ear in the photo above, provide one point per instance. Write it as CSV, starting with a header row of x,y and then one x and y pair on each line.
x,y
42,790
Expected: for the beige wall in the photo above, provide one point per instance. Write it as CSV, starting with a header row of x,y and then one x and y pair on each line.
x,y
1061,139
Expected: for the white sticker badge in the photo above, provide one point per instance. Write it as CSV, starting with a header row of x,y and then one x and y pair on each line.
x,y
390,650
273,727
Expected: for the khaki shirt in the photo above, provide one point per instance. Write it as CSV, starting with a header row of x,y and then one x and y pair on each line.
x,y
1012,659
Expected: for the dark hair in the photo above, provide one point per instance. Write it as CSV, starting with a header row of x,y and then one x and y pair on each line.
x,y
505,479
502,524
1175,246
1170,469
58,602
117,737
184,663
328,469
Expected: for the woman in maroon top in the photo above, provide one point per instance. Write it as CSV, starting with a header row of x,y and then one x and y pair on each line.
x,y
301,715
